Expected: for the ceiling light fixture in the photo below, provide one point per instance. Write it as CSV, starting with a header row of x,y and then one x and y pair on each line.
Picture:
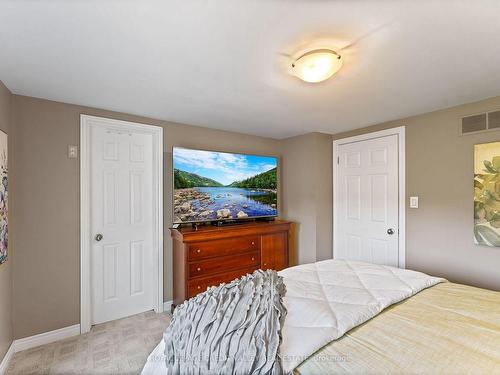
x,y
317,65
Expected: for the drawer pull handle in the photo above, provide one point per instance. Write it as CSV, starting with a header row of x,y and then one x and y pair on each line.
x,y
253,258
198,251
199,287
253,243
198,269
265,264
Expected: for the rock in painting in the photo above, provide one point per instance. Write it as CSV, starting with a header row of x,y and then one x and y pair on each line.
x,y
206,213
241,215
185,207
223,214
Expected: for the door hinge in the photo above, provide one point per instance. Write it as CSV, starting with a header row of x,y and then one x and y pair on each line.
x,y
338,159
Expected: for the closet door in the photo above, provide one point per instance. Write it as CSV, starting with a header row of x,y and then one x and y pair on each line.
x,y
367,203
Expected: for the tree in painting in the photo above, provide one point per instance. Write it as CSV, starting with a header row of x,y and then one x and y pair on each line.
x,y
487,194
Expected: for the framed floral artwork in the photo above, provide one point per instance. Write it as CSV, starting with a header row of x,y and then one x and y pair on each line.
x,y
487,194
4,198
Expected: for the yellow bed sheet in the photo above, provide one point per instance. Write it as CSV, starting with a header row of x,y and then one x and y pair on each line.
x,y
446,329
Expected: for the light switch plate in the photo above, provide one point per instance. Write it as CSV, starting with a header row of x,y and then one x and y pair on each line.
x,y
413,202
72,152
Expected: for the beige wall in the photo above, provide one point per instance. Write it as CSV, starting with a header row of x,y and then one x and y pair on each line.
x,y
439,169
323,165
46,277
6,268
307,164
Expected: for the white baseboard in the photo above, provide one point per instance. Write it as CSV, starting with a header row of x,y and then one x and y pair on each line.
x,y
37,340
6,359
167,306
46,338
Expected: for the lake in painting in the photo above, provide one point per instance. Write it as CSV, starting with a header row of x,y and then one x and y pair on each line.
x,y
219,186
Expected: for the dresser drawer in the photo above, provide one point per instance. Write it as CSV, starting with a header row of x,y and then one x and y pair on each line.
x,y
229,246
199,285
223,264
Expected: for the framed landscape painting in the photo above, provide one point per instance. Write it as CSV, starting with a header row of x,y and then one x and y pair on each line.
x,y
4,195
487,194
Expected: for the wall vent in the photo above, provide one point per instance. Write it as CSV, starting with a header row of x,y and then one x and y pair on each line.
x,y
494,120
480,122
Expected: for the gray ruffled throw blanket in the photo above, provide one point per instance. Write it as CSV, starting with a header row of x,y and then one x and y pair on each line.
x,y
234,328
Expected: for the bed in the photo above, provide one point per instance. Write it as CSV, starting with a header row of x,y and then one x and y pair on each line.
x,y
381,320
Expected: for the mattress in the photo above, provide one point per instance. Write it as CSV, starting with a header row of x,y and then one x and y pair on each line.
x,y
448,329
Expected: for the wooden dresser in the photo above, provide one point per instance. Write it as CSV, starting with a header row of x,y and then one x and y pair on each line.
x,y
211,255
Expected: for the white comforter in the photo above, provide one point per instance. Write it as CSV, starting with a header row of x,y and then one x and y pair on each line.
x,y
325,300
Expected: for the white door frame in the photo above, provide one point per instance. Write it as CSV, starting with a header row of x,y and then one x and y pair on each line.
x,y
400,132
86,123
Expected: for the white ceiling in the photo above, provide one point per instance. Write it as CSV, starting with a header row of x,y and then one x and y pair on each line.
x,y
223,63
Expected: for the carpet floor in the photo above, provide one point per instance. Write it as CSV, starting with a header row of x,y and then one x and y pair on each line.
x,y
117,347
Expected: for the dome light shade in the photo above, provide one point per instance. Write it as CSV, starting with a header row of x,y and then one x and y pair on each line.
x,y
317,65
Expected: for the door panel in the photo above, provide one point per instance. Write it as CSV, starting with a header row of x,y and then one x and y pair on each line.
x,y
136,267
378,198
353,197
274,251
121,205
109,263
109,199
280,256
136,198
368,201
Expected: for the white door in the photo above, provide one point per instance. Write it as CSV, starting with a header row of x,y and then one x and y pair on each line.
x,y
368,201
121,223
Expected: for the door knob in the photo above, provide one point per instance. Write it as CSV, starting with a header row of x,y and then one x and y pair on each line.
x,y
390,231
98,237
